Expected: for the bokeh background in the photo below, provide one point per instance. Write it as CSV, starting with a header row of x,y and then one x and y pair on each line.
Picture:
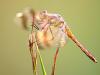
x,y
83,16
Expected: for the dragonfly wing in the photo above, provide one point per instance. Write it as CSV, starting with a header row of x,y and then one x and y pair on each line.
x,y
59,37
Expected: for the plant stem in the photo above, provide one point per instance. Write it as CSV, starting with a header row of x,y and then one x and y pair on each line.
x,y
54,63
40,58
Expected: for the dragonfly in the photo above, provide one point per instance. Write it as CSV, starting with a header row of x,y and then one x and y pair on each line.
x,y
47,30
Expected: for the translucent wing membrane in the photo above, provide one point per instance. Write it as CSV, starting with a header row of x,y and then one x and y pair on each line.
x,y
53,37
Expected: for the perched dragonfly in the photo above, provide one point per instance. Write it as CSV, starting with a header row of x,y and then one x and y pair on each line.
x,y
47,30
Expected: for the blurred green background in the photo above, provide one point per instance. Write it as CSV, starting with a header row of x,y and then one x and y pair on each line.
x,y
83,16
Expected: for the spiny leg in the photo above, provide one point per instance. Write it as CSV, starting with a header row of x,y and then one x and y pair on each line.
x,y
54,62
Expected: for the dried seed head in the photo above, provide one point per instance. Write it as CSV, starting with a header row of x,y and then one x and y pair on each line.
x,y
21,20
30,14
19,15
25,18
